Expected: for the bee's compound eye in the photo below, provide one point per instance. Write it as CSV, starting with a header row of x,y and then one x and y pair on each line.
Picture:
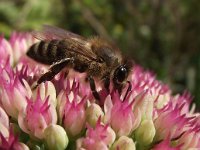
x,y
121,74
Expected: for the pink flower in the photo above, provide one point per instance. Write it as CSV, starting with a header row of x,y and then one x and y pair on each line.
x,y
142,81
20,42
145,103
166,145
13,92
71,110
46,89
37,115
190,138
150,117
119,110
68,82
184,99
30,74
11,142
5,51
101,137
171,122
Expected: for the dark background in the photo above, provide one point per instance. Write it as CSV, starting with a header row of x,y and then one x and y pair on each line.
x,y
161,35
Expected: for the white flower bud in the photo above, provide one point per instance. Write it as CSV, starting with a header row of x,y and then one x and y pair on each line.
x,y
55,137
124,143
93,112
21,146
111,136
145,132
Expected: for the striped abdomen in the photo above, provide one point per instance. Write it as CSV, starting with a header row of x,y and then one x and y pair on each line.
x,y
47,52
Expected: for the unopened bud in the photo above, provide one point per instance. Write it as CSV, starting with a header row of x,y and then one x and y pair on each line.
x,y
55,137
93,112
20,146
145,132
124,143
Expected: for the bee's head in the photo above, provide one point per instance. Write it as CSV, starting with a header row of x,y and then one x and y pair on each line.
x,y
121,74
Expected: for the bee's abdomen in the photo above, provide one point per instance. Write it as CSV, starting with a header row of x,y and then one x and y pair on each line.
x,y
46,52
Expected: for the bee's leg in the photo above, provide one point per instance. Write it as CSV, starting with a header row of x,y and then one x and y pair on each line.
x,y
107,84
53,70
93,88
128,90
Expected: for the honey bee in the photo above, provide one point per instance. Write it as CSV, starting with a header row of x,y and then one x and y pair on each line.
x,y
94,56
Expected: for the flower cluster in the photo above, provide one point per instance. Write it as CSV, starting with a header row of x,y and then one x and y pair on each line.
x,y
62,113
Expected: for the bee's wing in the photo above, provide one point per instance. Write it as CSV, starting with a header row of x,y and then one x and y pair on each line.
x,y
50,32
83,48
80,44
